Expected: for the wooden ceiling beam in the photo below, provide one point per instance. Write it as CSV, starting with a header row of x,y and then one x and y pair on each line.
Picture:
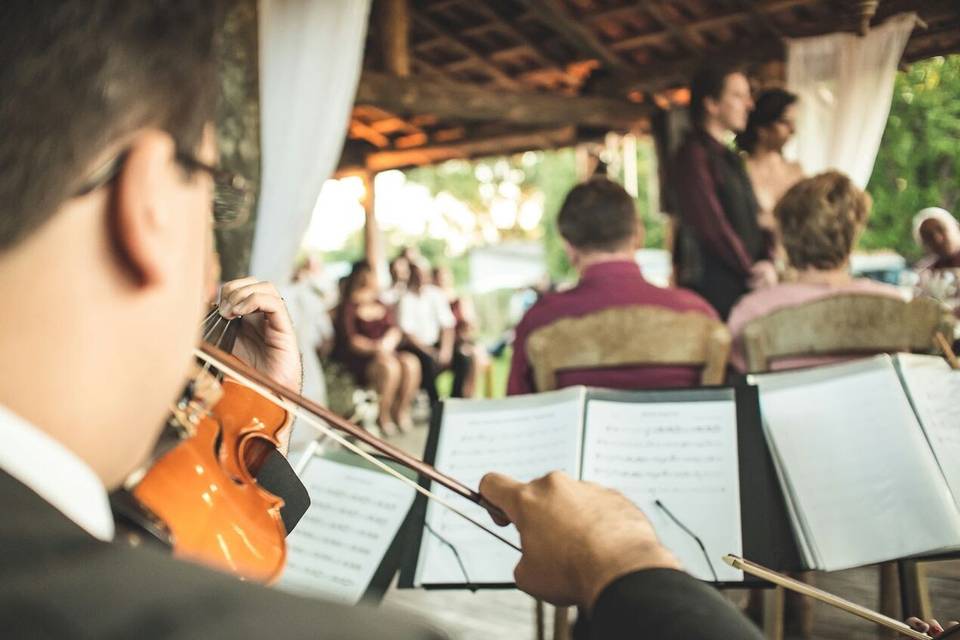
x,y
554,15
434,72
635,42
496,72
472,148
368,133
495,13
691,43
762,19
393,17
464,102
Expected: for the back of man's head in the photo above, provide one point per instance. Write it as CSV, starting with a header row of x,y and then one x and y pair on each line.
x,y
78,76
599,216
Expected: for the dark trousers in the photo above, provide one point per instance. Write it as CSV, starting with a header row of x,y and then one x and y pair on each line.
x,y
430,369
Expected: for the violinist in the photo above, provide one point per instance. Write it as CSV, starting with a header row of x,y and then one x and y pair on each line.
x,y
108,166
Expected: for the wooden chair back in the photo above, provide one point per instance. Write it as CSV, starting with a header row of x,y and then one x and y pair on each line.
x,y
845,324
635,335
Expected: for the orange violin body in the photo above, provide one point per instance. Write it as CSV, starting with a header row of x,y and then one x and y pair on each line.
x,y
205,489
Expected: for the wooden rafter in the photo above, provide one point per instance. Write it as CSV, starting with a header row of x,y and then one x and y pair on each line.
x,y
472,147
464,102
553,14
368,133
394,30
685,35
498,74
717,22
495,13
436,73
762,19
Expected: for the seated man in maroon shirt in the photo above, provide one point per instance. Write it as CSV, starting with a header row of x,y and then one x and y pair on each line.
x,y
601,231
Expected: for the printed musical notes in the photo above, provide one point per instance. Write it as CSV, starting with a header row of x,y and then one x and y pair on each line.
x,y
354,515
682,453
524,437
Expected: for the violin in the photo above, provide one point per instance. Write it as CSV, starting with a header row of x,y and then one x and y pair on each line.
x,y
204,488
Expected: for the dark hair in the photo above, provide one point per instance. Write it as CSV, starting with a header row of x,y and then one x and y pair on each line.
x,y
356,270
77,75
708,82
597,215
769,108
820,219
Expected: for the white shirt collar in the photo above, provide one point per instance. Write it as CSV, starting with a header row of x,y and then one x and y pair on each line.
x,y
56,474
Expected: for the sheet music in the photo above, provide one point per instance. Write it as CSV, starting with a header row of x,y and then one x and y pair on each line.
x,y
935,391
354,515
685,455
864,482
524,437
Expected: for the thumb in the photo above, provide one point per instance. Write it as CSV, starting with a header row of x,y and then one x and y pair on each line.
x,y
502,492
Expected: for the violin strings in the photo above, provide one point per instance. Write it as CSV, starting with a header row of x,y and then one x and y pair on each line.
x,y
209,331
226,327
209,317
318,424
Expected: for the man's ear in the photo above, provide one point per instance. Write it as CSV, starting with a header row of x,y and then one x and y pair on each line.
x,y
140,209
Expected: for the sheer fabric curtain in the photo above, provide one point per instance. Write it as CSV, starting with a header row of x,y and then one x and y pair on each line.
x,y
310,59
845,85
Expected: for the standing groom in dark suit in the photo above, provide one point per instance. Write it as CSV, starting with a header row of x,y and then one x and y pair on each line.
x,y
106,178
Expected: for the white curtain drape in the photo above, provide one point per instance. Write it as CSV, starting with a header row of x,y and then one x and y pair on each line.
x,y
311,53
845,86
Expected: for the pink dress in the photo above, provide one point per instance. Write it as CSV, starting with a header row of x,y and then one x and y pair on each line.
x,y
765,301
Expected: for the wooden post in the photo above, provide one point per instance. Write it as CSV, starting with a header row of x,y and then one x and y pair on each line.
x,y
394,18
373,247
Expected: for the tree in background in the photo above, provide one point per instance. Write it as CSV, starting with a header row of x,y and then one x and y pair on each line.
x,y
918,164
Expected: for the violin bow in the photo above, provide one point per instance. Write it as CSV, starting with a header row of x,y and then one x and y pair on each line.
x,y
258,381
786,582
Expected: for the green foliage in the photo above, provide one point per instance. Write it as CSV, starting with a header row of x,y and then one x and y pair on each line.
x,y
919,160
550,173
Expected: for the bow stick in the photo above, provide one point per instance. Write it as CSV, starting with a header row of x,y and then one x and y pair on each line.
x,y
233,365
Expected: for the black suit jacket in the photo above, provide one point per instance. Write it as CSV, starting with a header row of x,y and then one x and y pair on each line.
x,y
664,604
56,581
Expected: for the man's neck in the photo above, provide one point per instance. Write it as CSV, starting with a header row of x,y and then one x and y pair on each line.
x,y
833,277
717,131
601,257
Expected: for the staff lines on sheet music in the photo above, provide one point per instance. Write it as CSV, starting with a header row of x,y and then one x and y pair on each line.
x,y
634,429
528,433
487,420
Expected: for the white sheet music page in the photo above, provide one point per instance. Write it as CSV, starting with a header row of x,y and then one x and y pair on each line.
x,y
683,454
354,515
524,437
861,473
935,391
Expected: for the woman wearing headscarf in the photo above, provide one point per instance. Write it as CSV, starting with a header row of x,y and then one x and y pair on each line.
x,y
938,232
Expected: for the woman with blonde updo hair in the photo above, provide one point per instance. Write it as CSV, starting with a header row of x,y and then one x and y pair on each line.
x,y
821,219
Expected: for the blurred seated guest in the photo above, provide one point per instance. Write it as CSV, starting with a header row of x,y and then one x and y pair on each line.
x,y
937,231
399,276
469,360
821,219
601,231
424,316
314,329
770,126
366,343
